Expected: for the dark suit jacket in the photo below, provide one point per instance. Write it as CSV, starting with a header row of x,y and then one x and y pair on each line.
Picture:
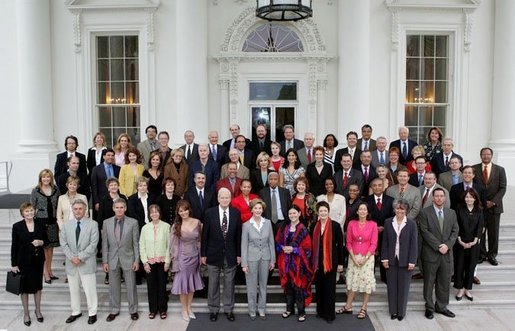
x,y
254,146
23,254
371,144
61,165
194,200
411,144
98,181
249,159
297,144
227,143
433,237
257,181
379,216
408,246
366,183
135,208
355,177
211,170
221,155
167,156
413,180
91,162
438,163
194,153
105,209
456,194
213,246
316,180
356,162
284,197
84,187
496,186
225,183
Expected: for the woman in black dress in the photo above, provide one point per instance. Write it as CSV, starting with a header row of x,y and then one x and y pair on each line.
x,y
28,257
154,173
466,248
318,171
327,259
44,199
168,201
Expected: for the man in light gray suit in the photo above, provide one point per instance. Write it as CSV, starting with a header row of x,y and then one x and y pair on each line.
x,y
79,239
438,227
380,155
452,177
405,191
426,191
148,145
120,251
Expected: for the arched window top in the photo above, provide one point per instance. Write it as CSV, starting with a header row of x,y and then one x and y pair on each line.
x,y
273,38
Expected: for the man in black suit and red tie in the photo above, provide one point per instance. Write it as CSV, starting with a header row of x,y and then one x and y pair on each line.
x,y
221,250
404,144
493,177
347,176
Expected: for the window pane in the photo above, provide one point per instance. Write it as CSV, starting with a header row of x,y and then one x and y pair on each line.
x,y
109,135
116,46
131,70
131,46
117,70
441,46
103,47
283,116
117,93
134,134
119,118
427,92
132,93
104,95
261,115
429,45
439,117
412,91
104,116
271,37
413,46
132,116
412,68
441,92
273,91
425,116
410,115
441,69
429,67
103,70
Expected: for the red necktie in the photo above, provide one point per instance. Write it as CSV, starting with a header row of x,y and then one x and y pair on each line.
x,y
485,175
309,155
424,199
345,179
366,174
379,204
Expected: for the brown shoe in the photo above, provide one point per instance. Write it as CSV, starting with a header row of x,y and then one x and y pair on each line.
x,y
111,317
476,281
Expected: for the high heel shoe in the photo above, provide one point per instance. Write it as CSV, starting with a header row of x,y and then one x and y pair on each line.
x,y
48,281
39,317
27,322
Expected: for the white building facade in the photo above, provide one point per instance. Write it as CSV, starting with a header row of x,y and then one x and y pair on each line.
x,y
80,66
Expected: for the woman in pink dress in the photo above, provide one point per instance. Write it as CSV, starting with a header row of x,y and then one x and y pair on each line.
x,y
361,244
185,251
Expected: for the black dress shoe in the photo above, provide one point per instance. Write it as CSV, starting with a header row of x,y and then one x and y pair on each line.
x,y
54,278
213,317
48,281
400,318
481,259
417,276
92,319
72,318
476,281
111,317
27,323
134,316
230,316
492,261
447,312
393,316
469,297
429,314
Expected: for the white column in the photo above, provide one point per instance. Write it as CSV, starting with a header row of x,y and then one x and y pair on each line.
x,y
503,116
354,65
224,109
192,93
34,76
319,122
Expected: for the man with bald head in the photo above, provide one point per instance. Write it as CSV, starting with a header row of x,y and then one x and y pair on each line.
x,y
206,165
306,154
217,152
235,131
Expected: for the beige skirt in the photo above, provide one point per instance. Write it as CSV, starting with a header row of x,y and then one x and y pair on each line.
x,y
361,279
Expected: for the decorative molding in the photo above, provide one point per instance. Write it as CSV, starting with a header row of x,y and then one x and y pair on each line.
x,y
111,4
429,4
150,28
396,29
467,32
77,34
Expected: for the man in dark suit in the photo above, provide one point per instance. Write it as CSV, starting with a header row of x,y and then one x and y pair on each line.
x,y
367,171
278,199
73,169
440,162
347,176
231,143
289,140
493,177
61,163
200,198
261,141
352,149
207,166
366,143
190,148
245,154
417,179
404,145
457,191
163,138
381,207
231,182
217,152
221,250
439,230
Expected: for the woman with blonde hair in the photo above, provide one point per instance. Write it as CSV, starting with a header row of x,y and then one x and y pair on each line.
x,y
96,153
177,169
130,171
64,204
123,144
44,199
259,176
416,152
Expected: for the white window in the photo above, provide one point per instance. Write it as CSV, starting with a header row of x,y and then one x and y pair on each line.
x,y
273,38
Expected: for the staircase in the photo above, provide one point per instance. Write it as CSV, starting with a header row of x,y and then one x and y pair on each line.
x,y
497,289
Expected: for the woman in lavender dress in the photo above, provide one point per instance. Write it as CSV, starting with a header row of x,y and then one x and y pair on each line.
x,y
185,252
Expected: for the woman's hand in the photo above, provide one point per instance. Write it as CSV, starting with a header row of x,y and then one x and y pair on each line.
x,y
339,268
15,269
386,264
245,270
271,266
146,266
37,242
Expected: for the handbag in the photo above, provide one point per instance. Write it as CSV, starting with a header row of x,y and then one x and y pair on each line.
x,y
13,283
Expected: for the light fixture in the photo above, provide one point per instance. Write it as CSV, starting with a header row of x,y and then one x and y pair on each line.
x,y
284,10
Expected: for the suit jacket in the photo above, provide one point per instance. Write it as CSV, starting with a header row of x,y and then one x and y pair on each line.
x,y
456,194
257,180
284,201
91,161
64,208
408,243
85,249
297,144
429,200
366,182
221,155
438,165
181,176
227,143
355,177
135,209
496,186
371,144
433,237
413,180
23,254
249,159
194,153
411,194
445,179
379,216
61,165
145,148
213,245
98,181
356,162
303,157
105,210
257,245
411,145
243,171
84,187
197,209
227,184
376,159
211,171
125,252
317,180
256,149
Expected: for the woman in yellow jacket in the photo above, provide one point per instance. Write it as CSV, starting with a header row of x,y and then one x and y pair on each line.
x,y
129,172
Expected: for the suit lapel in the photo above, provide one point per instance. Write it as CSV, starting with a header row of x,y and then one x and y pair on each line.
x,y
435,220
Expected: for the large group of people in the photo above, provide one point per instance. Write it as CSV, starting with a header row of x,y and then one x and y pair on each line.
x,y
319,214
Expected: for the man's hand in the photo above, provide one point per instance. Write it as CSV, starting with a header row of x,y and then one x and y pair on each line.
x,y
75,260
443,249
135,266
106,267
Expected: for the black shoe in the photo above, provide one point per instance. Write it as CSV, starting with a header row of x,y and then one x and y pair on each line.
x,y
72,318
400,318
469,297
213,317
481,259
492,261
134,316
429,314
476,281
28,322
230,316
54,278
122,280
111,317
48,281
92,319
393,316
417,276
447,312
106,280
39,318
458,298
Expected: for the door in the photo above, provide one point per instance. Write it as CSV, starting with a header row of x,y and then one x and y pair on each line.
x,y
274,117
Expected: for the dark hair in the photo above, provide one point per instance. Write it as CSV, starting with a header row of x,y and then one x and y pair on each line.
x,y
420,157
153,207
403,203
481,151
151,156
135,151
434,128
240,136
352,132
323,204
366,126
469,167
369,216
297,163
297,208
73,138
177,223
438,189
334,138
151,127
109,150
168,180
475,195
332,181
318,148
244,180
165,133
301,179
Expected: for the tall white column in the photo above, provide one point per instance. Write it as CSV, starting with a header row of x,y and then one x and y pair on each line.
x,y
192,92
34,76
503,116
354,65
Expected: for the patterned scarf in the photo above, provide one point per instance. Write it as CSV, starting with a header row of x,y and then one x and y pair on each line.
x,y
327,241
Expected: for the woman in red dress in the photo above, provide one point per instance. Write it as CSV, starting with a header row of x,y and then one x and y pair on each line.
x,y
242,201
